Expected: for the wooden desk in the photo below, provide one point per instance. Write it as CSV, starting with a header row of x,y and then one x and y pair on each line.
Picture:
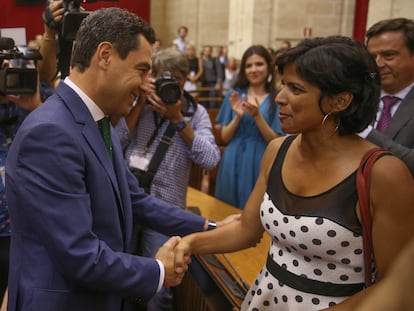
x,y
247,262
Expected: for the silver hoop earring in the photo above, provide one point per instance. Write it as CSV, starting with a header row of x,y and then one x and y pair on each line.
x,y
269,78
325,118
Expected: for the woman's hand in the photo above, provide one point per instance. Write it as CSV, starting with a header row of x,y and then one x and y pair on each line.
x,y
251,108
236,105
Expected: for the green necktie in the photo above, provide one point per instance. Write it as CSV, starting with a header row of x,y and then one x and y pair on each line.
x,y
105,130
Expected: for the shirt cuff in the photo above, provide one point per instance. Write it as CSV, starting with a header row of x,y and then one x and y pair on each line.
x,y
162,275
366,132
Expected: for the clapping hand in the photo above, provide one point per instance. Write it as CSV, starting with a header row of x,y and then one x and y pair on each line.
x,y
236,105
251,108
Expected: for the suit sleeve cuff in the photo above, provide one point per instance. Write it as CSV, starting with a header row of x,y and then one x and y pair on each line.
x,y
162,275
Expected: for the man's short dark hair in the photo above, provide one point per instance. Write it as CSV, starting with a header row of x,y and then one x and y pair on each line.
x,y
405,25
114,25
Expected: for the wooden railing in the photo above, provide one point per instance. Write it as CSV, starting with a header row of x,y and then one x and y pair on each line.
x,y
205,99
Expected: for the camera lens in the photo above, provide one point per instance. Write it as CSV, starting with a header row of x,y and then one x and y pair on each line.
x,y
167,88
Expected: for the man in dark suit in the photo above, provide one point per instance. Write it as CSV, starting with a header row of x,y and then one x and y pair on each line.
x,y
391,43
72,199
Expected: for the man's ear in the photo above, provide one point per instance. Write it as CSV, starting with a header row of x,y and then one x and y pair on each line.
x,y
104,53
342,101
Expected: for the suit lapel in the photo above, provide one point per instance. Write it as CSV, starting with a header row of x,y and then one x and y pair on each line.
x,y
403,115
93,137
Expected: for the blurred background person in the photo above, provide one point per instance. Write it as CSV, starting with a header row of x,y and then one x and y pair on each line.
x,y
286,44
181,41
195,71
222,55
193,142
230,74
212,77
156,46
249,121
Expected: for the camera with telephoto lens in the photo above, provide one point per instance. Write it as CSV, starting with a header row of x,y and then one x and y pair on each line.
x,y
17,80
167,88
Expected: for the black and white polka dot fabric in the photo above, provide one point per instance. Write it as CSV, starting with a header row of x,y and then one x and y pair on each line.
x,y
311,247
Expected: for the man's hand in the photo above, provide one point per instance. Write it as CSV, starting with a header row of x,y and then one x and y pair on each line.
x,y
182,256
166,255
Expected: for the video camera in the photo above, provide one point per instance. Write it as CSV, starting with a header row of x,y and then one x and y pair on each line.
x,y
72,18
17,80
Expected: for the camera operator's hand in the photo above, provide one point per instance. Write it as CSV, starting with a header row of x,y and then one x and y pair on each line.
x,y
28,102
53,14
52,17
171,112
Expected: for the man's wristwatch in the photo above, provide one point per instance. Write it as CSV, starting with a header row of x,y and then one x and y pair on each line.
x,y
211,225
179,126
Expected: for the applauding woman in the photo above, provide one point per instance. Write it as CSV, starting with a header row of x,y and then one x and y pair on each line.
x,y
248,119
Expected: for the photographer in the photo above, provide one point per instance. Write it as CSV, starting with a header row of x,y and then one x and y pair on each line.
x,y
193,141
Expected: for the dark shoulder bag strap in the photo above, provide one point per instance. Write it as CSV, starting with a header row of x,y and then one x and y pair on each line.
x,y
159,154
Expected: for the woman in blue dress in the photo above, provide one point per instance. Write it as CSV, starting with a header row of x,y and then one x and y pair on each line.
x,y
249,121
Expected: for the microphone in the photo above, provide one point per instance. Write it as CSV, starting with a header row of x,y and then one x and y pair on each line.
x,y
6,43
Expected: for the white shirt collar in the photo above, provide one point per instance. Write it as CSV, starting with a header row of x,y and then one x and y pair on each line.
x,y
401,94
95,111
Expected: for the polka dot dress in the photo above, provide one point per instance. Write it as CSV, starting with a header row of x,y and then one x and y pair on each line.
x,y
307,244
311,247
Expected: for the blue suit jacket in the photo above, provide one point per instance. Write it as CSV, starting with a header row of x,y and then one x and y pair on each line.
x,y
72,213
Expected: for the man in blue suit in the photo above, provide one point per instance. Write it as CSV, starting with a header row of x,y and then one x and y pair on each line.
x,y
72,200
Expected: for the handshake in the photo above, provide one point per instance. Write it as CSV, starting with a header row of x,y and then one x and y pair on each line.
x,y
176,253
175,260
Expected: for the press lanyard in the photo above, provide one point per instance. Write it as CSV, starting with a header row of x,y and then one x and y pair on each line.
x,y
158,125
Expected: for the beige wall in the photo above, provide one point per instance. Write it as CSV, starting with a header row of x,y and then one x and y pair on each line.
x,y
240,23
